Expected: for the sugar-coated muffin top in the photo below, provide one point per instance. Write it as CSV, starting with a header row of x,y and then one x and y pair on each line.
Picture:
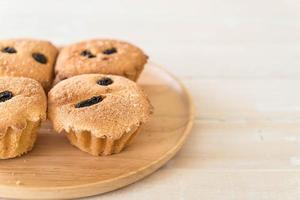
x,y
101,56
105,105
21,100
28,58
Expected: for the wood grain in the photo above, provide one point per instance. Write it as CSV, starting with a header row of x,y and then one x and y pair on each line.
x,y
55,169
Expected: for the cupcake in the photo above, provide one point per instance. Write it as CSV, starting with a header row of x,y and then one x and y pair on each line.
x,y
101,57
23,106
28,58
100,114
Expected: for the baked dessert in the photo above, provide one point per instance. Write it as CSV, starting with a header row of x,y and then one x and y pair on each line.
x,y
99,113
101,57
28,58
23,106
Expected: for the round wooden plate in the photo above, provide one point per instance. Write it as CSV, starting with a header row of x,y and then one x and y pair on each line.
x,y
56,170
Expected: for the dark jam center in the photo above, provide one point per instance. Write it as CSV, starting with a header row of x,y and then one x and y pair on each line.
x,y
5,95
105,81
89,102
110,51
9,50
40,58
87,53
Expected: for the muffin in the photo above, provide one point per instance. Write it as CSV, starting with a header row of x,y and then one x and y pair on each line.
x,y
23,106
101,57
28,58
100,114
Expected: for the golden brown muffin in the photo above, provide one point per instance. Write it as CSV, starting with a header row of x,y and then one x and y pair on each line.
x,y
28,58
101,57
23,106
100,113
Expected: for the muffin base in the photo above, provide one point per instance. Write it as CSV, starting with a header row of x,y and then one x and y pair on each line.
x,y
96,146
130,75
18,142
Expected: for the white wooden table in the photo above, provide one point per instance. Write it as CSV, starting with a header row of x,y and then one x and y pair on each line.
x,y
239,59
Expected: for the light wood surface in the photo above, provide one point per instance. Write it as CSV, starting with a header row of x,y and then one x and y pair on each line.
x,y
55,169
240,62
